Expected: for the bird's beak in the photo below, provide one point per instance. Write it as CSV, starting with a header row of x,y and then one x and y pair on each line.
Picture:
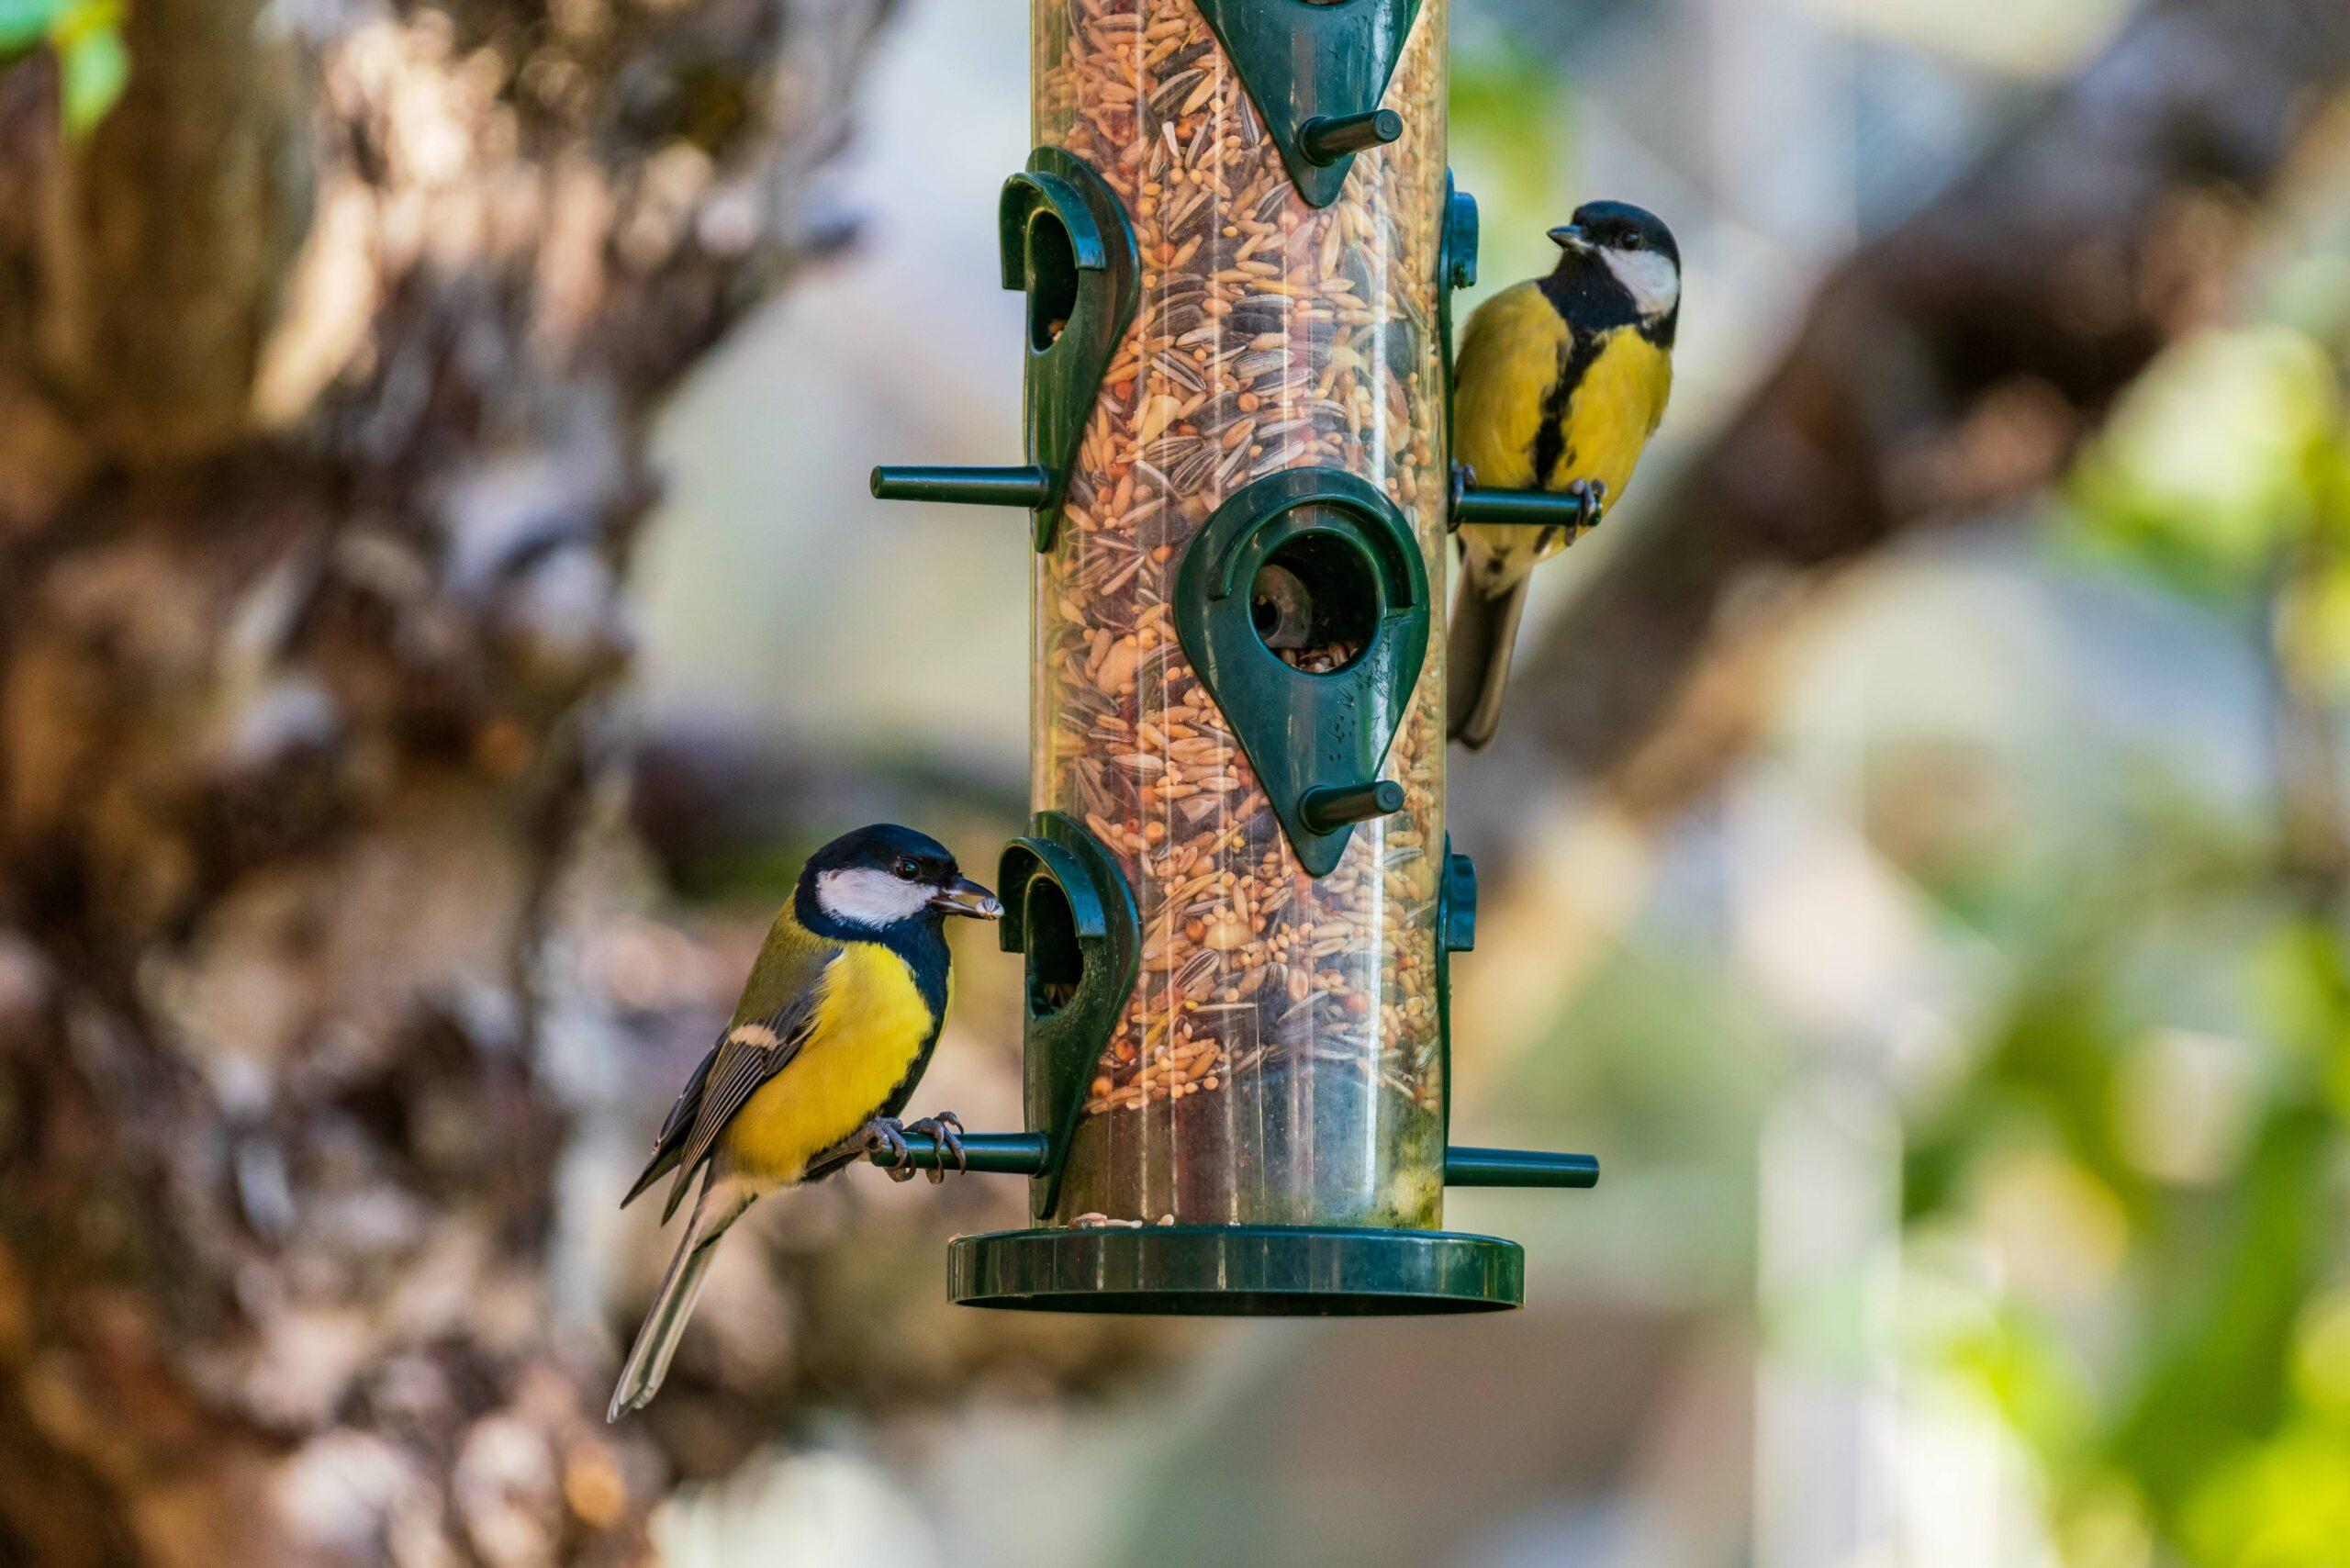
x,y
966,897
1570,237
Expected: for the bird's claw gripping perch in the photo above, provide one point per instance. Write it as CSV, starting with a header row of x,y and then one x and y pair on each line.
x,y
1593,494
946,1129
1464,479
884,1134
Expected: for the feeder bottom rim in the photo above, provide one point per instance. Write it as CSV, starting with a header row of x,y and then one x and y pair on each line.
x,y
1253,1271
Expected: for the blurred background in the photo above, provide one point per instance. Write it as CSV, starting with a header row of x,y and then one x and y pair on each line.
x,y
440,604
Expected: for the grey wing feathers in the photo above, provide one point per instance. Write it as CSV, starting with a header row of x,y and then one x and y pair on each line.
x,y
670,1147
749,1055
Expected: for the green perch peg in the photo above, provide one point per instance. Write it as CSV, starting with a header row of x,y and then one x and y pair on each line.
x,y
1518,1167
1332,806
987,1154
1528,509
1328,138
1020,487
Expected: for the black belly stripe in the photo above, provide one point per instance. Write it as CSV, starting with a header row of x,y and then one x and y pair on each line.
x,y
923,946
902,1092
1553,458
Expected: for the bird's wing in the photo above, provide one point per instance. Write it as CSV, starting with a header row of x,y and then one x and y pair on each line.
x,y
791,966
1515,352
753,1052
669,1147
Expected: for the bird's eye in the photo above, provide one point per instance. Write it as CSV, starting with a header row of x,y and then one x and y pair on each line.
x,y
906,871
1629,242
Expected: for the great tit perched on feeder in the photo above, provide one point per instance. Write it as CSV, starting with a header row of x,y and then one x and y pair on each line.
x,y
1559,385
835,1027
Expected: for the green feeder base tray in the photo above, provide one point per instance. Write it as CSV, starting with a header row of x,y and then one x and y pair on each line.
x,y
1251,1271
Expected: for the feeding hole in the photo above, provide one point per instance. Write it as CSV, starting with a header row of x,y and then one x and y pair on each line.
x,y
1056,963
1052,278
1315,603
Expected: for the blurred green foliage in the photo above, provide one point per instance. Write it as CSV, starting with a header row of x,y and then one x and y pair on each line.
x,y
2221,463
2125,1223
1507,102
1511,126
93,63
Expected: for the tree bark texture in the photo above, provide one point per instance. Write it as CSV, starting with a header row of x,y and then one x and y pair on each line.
x,y
326,363
1946,370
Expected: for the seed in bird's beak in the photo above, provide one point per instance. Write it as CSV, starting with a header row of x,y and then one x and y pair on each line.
x,y
966,897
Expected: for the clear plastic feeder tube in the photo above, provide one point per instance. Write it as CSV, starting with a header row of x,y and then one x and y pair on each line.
x,y
1280,1061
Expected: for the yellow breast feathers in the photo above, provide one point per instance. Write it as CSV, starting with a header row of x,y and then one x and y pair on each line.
x,y
871,1027
1517,350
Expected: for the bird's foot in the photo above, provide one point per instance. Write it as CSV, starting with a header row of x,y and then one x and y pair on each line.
x,y
1464,479
886,1134
944,1129
1593,494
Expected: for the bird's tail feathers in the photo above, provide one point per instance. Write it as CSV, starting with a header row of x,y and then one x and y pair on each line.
x,y
722,1201
1485,631
677,1191
660,1167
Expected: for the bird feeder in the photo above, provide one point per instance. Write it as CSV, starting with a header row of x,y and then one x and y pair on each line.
x,y
1237,905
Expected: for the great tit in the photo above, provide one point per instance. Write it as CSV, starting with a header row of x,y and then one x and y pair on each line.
x,y
1559,382
835,1025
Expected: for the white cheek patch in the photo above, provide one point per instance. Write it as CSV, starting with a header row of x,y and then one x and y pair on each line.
x,y
1652,280
865,897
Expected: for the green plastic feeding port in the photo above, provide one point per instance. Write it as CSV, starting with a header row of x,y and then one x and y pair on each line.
x,y
1068,244
1317,70
1304,605
1069,912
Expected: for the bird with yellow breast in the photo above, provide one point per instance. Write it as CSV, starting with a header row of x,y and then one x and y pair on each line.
x,y
1559,382
837,1022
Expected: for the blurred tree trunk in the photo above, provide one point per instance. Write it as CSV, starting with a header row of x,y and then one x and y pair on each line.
x,y
1947,370
325,369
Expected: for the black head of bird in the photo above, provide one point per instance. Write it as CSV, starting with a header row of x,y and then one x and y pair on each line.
x,y
868,881
1627,247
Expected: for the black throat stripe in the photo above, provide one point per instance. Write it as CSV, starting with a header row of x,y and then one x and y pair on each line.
x,y
1595,306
